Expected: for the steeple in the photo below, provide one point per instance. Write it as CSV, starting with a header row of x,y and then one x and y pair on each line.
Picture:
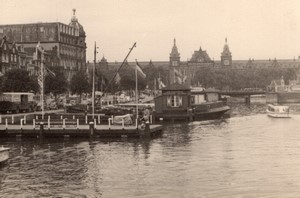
x,y
74,19
75,24
174,52
226,58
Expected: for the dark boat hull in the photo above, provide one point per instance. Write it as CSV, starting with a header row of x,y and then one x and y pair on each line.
x,y
211,114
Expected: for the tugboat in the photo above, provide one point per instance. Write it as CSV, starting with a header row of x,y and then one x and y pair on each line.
x,y
4,154
180,102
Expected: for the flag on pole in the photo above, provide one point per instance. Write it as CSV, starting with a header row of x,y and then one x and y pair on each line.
x,y
48,71
140,71
117,79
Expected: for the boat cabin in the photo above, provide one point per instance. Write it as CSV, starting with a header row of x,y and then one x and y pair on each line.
x,y
179,101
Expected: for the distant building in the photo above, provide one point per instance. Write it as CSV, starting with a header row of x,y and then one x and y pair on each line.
x,y
226,58
278,86
66,43
9,55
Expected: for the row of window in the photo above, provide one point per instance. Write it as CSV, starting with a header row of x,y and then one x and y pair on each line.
x,y
68,30
67,39
5,58
174,101
72,52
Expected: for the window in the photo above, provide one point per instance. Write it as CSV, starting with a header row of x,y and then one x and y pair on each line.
x,y
174,63
174,101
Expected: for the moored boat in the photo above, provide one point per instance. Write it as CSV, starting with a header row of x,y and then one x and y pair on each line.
x,y
278,111
180,102
4,154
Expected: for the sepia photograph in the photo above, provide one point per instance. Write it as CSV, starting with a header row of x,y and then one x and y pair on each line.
x,y
149,98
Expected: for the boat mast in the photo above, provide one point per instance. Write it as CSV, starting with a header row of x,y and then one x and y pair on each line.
x,y
125,59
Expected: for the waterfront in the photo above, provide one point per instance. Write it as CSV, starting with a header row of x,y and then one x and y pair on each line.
x,y
245,156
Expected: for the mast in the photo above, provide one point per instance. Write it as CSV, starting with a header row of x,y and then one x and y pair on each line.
x,y
42,78
111,80
93,91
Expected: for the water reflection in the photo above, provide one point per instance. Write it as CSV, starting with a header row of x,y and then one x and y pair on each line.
x,y
253,156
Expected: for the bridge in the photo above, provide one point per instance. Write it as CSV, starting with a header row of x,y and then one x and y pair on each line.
x,y
238,93
241,93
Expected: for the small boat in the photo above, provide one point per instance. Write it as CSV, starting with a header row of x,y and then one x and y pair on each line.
x,y
278,111
4,154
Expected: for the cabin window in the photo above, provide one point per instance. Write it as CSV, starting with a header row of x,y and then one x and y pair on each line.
x,y
174,101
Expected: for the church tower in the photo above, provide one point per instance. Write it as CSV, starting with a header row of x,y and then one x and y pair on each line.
x,y
226,58
174,62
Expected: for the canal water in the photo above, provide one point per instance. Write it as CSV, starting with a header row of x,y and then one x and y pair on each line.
x,y
244,156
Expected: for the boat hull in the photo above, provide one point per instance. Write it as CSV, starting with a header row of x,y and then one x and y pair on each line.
x,y
276,115
211,114
4,154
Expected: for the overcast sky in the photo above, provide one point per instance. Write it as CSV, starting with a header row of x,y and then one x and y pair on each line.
x,y
260,29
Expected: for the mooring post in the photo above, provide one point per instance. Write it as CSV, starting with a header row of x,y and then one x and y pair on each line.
x,y
64,123
136,123
0,119
77,123
48,122
86,119
21,123
91,128
99,119
109,119
24,119
41,129
248,100
6,123
112,119
95,123
12,119
122,123
33,123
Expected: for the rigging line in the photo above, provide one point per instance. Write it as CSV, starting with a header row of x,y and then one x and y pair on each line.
x,y
134,45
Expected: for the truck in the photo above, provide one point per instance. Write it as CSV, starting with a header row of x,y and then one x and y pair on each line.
x,y
16,102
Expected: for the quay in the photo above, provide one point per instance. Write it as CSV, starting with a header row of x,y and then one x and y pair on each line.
x,y
59,126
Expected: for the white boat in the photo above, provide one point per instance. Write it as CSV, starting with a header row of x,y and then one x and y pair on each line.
x,y
278,111
4,154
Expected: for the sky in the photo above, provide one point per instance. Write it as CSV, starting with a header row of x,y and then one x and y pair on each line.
x,y
256,29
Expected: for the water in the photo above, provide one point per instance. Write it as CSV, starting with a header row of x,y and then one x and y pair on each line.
x,y
245,156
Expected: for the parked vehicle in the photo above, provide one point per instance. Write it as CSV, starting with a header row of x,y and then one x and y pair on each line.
x,y
16,102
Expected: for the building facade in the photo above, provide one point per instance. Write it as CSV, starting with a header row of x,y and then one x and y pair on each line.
x,y
66,43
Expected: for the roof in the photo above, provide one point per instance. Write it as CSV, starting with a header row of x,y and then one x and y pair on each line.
x,y
176,87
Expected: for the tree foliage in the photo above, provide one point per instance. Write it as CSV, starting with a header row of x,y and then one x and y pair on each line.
x,y
237,79
56,84
18,80
80,84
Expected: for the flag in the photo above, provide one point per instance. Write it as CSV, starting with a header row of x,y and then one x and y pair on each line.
x,y
48,71
179,77
140,71
117,79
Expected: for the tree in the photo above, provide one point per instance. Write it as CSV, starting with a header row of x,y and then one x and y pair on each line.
x,y
18,80
80,84
56,84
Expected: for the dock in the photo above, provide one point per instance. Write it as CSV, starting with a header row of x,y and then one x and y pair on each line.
x,y
71,126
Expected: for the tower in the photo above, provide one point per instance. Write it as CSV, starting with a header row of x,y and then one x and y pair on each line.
x,y
226,58
174,62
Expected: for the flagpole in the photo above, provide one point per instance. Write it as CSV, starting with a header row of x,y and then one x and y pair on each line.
x,y
42,75
93,91
136,94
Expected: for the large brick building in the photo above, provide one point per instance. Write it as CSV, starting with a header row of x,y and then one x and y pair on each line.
x,y
64,43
